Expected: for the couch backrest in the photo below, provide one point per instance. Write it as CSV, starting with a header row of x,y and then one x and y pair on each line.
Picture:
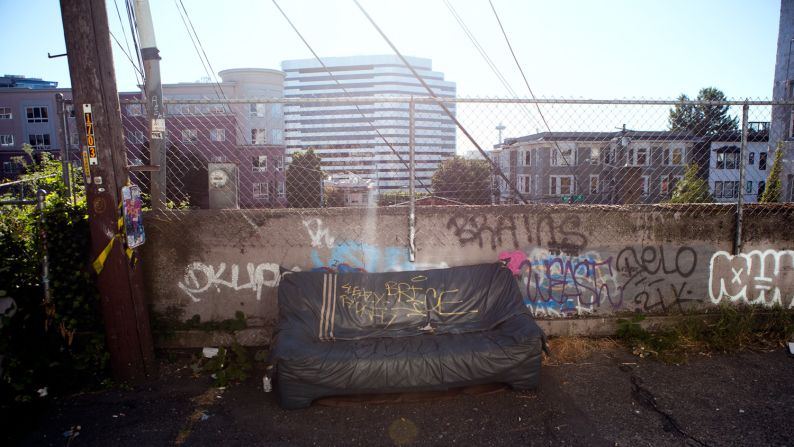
x,y
362,305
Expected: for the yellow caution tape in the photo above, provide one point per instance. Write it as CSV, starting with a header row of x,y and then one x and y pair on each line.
x,y
99,263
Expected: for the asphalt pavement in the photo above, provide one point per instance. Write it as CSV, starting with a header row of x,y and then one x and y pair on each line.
x,y
610,398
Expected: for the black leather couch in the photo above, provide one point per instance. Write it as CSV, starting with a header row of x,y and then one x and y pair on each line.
x,y
357,333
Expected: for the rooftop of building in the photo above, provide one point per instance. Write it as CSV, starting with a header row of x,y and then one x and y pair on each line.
x,y
20,81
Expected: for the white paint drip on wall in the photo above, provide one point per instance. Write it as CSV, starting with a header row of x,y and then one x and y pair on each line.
x,y
200,277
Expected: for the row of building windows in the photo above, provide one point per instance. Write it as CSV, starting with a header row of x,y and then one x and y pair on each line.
x,y
36,114
730,189
730,160
564,184
260,163
40,140
265,190
258,136
567,156
254,110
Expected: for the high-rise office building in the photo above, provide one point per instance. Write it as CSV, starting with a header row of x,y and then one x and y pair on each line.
x,y
361,138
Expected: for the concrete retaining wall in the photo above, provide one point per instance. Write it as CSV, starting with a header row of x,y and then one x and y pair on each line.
x,y
570,261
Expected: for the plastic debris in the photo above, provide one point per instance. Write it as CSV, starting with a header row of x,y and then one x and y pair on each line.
x,y
209,352
42,392
266,385
72,432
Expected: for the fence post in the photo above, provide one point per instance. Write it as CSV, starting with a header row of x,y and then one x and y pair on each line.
x,y
737,244
41,197
411,179
64,143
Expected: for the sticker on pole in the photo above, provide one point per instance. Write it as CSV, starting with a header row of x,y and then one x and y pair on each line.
x,y
89,135
133,218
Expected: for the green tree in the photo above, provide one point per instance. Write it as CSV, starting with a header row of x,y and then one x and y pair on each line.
x,y
304,180
703,119
692,188
467,181
773,192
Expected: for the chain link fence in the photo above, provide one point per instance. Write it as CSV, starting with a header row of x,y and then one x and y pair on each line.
x,y
316,154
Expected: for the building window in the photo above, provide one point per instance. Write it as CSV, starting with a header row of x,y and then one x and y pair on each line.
x,y
37,114
282,192
791,126
279,163
727,160
135,137
39,140
594,184
216,109
730,190
673,156
608,156
595,155
276,136
762,161
664,184
718,189
637,156
10,167
525,158
525,184
260,190
134,109
189,136
561,156
6,140
748,188
560,185
257,110
258,136
645,185
751,158
276,111
5,113
217,134
761,188
260,163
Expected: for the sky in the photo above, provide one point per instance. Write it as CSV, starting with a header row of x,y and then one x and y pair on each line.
x,y
607,49
567,48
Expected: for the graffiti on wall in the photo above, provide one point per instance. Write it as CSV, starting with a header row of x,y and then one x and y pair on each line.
x,y
202,278
655,278
330,253
559,235
559,285
638,278
757,277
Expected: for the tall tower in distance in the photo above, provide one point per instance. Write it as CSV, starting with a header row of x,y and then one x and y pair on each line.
x,y
350,138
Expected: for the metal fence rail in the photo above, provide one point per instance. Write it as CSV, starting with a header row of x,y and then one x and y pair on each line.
x,y
326,152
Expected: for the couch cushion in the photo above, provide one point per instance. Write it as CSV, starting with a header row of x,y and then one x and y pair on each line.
x,y
352,306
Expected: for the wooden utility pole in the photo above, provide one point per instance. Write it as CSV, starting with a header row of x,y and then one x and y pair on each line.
x,y
96,102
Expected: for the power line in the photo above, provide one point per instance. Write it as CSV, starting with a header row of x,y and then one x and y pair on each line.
x,y
495,167
126,41
531,93
129,58
480,48
346,92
